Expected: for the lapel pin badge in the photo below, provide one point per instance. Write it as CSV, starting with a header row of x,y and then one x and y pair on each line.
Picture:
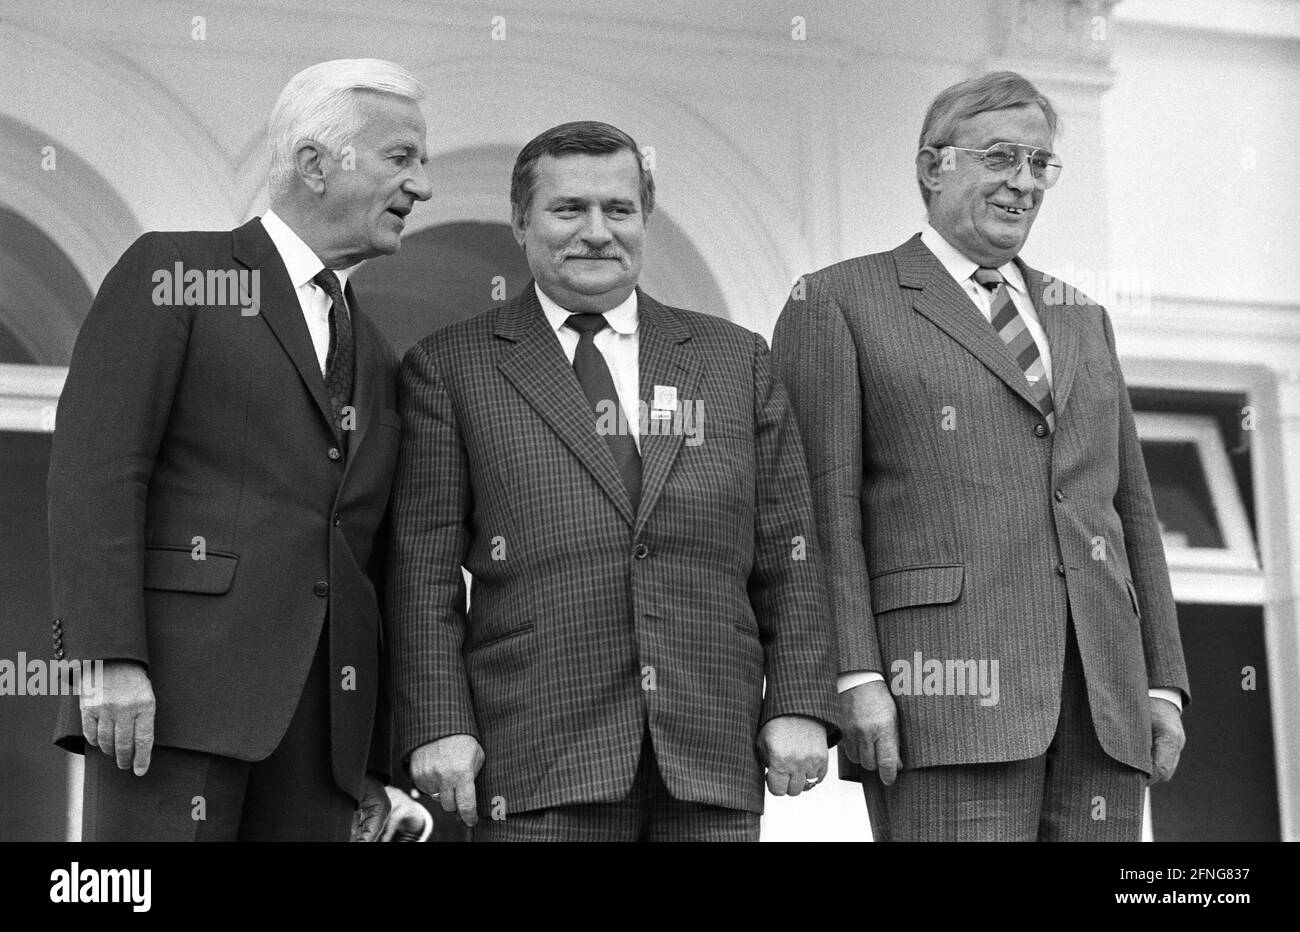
x,y
664,402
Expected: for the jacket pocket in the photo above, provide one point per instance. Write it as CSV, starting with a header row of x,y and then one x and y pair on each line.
x,y
1132,596
502,636
174,569
917,585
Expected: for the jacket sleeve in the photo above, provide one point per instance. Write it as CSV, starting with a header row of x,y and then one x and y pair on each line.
x,y
816,359
112,416
1161,642
431,508
786,586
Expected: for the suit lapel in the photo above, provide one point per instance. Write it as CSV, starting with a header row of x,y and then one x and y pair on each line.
x,y
942,301
537,367
663,358
1062,339
280,307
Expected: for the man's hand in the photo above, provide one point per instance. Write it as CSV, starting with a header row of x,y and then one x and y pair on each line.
x,y
408,821
793,748
372,812
118,717
870,725
445,769
1167,739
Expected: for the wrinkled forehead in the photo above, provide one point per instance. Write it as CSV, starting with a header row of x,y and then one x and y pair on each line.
x,y
584,174
1025,125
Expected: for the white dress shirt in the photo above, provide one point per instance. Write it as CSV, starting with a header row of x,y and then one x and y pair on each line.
x,y
303,265
961,269
617,343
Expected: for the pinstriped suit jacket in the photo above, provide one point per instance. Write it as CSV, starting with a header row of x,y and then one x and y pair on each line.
x,y
588,620
955,526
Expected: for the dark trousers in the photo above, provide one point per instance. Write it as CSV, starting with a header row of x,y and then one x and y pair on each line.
x,y
196,796
1073,792
648,813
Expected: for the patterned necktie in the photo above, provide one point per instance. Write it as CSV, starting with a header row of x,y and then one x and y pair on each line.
x,y
1015,334
598,384
341,357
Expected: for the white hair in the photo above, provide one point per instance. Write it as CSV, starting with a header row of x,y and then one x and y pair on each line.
x,y
320,103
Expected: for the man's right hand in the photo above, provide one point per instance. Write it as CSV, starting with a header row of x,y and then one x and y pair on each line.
x,y
118,717
445,769
870,725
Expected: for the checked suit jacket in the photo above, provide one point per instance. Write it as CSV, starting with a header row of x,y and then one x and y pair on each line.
x,y
956,526
185,422
590,622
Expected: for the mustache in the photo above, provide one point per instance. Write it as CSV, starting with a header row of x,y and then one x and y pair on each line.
x,y
588,254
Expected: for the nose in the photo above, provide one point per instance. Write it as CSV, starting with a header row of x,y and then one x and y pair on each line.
x,y
418,185
596,232
1022,179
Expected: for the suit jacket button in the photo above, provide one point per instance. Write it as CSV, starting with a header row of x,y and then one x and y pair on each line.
x,y
1060,496
1040,430
322,588
338,519
640,551
58,653
1060,569
334,453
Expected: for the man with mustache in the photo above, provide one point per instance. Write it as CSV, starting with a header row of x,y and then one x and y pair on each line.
x,y
218,479
624,484
983,503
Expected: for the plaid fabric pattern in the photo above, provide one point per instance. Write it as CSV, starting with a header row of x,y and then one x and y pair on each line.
x,y
591,621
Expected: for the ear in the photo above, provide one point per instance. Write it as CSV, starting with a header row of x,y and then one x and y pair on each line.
x,y
931,166
309,164
518,224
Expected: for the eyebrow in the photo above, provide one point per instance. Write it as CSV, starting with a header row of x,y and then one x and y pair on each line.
x,y
993,141
559,199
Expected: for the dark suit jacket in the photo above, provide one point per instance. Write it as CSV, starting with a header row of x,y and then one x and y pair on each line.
x,y
955,525
588,620
196,421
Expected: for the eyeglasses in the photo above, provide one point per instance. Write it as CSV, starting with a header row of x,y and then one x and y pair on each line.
x,y
1007,157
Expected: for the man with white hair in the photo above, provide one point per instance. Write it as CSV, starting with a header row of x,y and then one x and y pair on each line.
x,y
218,480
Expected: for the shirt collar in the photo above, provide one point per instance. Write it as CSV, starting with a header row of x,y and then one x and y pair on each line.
x,y
961,268
622,319
301,263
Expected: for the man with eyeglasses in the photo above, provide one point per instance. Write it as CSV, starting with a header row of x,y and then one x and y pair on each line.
x,y
1010,664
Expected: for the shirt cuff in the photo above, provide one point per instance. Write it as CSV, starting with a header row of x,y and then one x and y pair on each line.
x,y
1172,695
846,681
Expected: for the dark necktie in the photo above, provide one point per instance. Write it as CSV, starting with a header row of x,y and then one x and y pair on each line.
x,y
1015,334
340,358
598,384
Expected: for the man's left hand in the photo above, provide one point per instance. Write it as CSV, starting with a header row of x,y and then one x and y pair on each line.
x,y
372,813
1167,739
793,748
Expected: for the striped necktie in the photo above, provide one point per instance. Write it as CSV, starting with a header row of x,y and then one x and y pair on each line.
x,y
1015,334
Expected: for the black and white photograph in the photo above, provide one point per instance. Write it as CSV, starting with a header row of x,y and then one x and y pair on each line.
x,y
772,421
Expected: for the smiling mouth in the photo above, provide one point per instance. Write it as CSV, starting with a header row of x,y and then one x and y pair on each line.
x,y
1011,211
